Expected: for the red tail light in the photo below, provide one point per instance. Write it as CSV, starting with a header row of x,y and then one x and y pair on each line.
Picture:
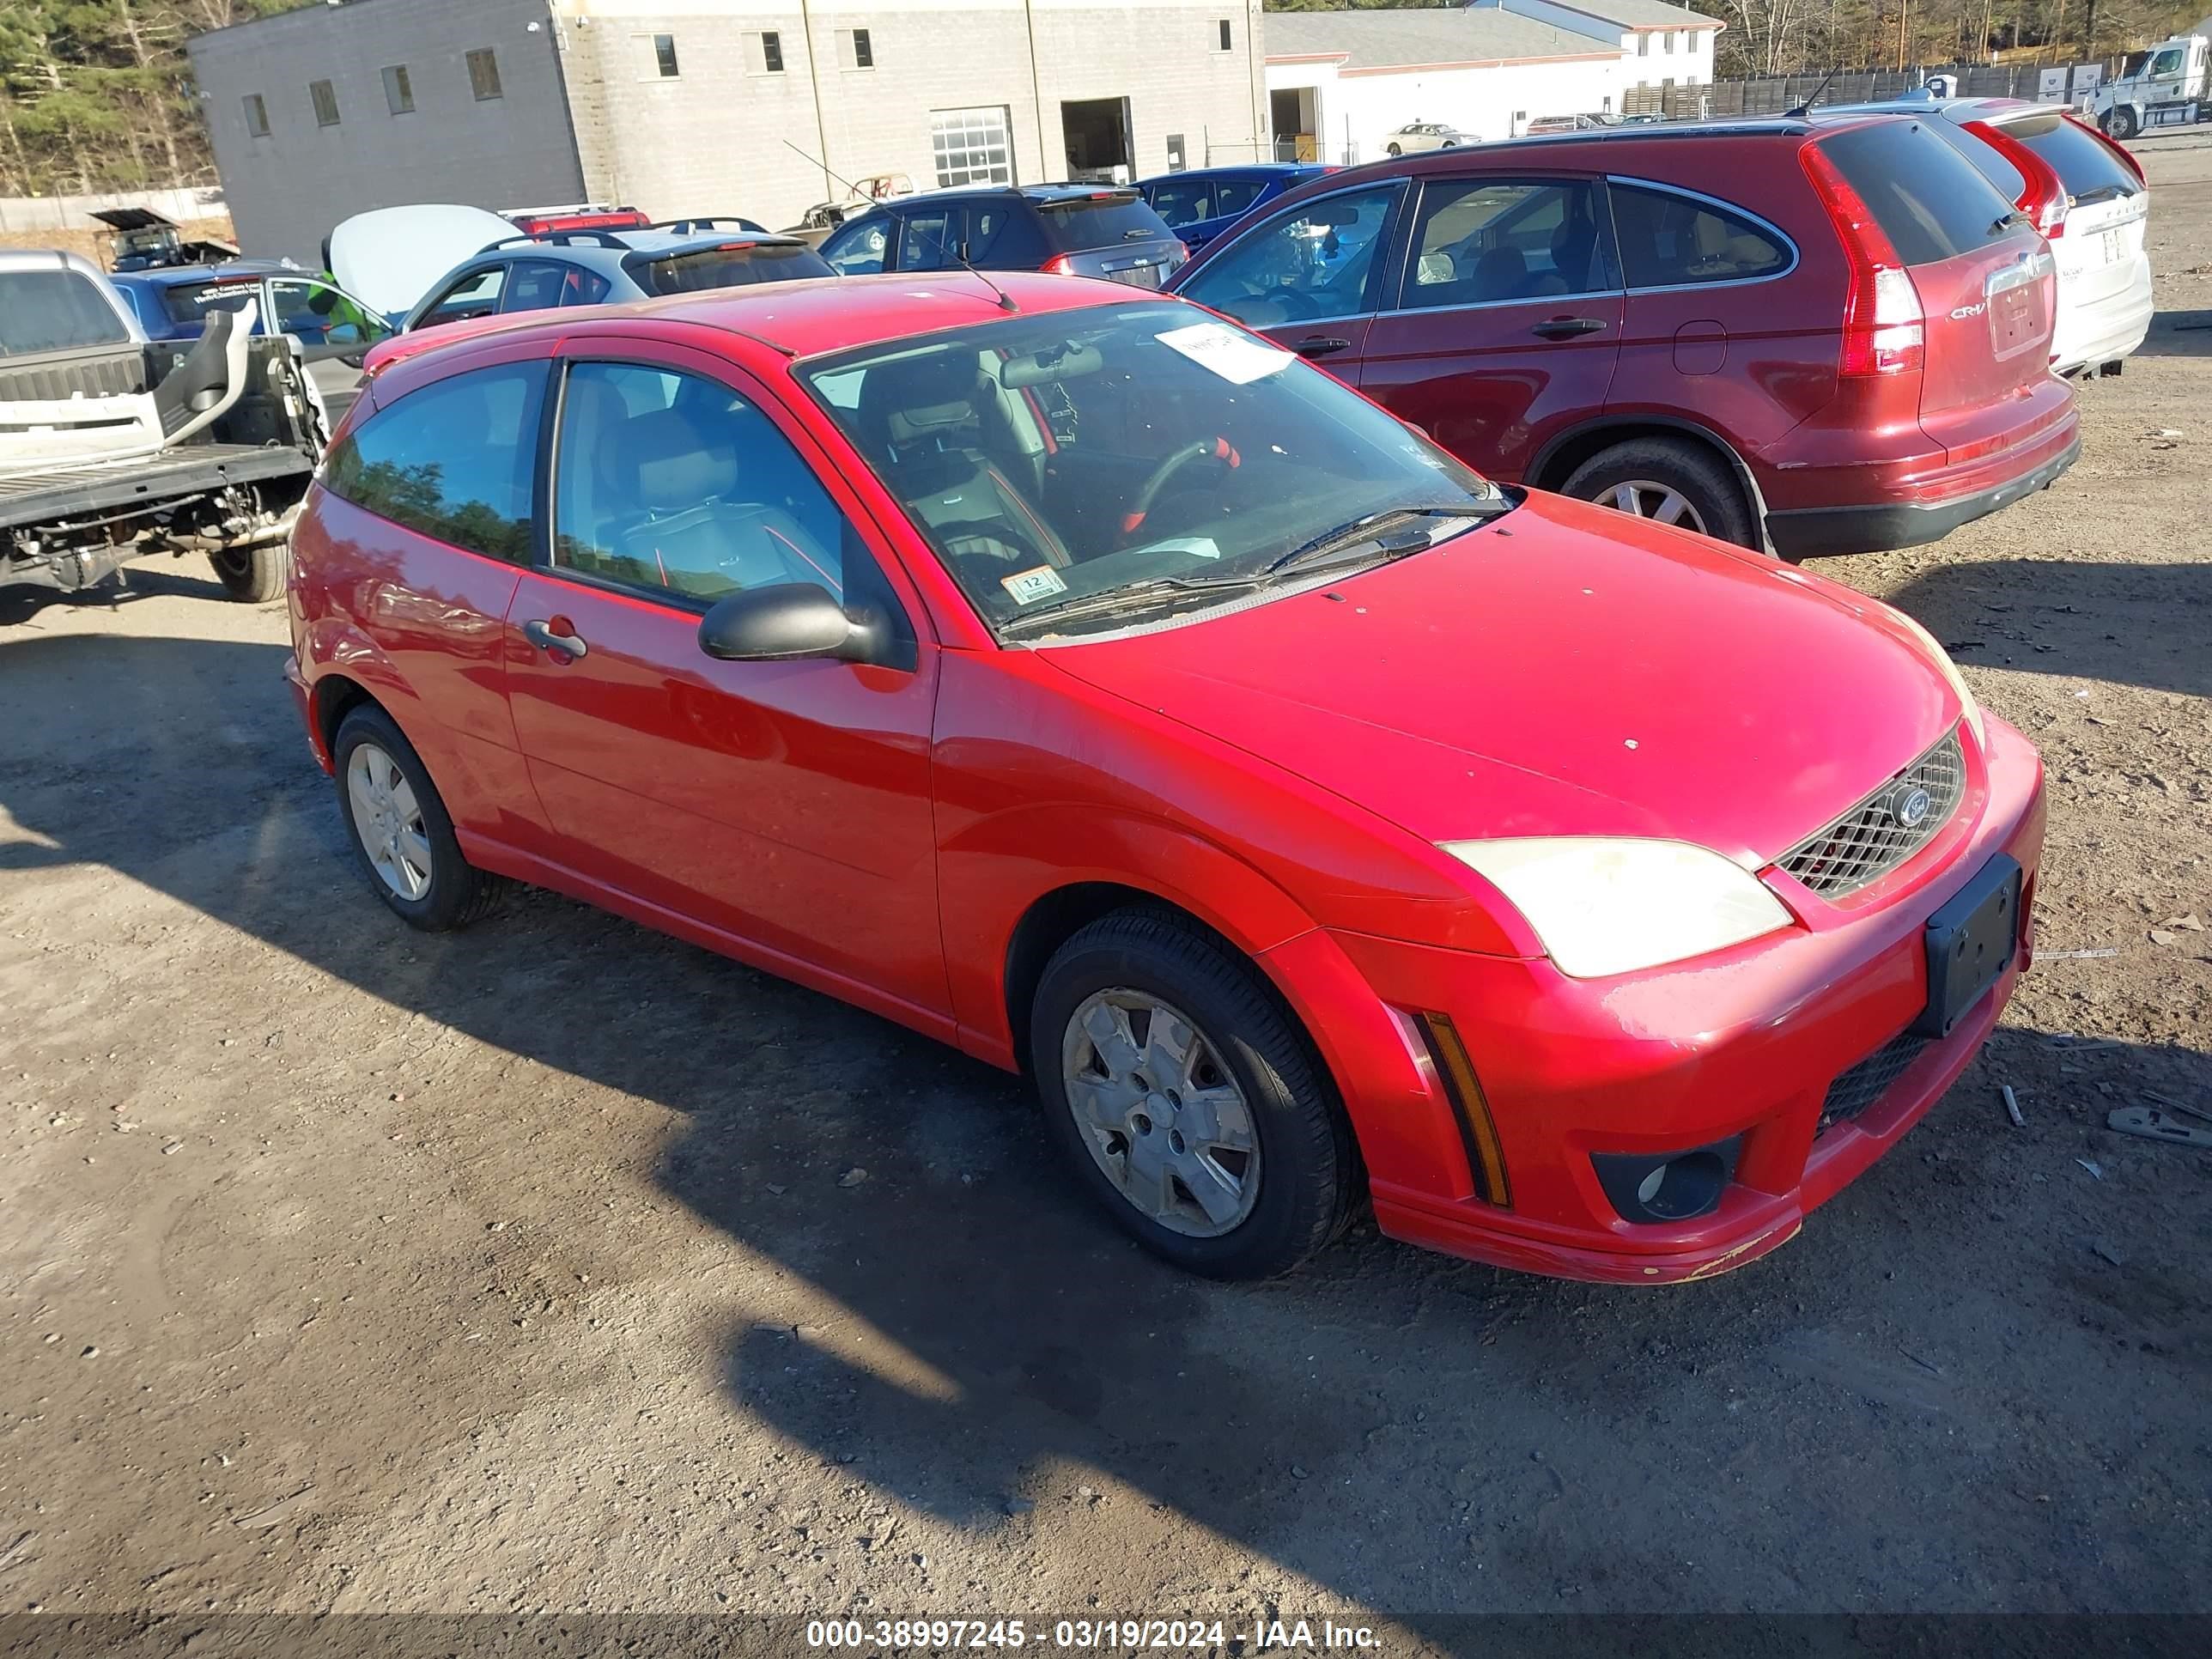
x,y
2043,197
1884,331
1060,265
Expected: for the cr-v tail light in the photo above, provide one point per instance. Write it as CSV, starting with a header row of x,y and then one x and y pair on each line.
x,y
1885,331
2043,197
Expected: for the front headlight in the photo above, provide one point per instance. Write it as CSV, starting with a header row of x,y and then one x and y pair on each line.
x,y
1604,907
1949,670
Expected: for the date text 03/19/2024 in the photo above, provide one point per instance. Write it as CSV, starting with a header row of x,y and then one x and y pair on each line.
x,y
1166,1635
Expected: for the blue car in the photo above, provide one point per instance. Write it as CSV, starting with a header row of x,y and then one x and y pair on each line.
x,y
333,328
1201,202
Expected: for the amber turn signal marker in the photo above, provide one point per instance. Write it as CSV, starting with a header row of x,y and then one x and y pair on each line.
x,y
1485,1159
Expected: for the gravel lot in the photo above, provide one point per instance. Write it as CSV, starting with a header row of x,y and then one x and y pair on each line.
x,y
345,1268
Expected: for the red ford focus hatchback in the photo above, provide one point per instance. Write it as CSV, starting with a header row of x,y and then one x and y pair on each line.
x,y
1083,681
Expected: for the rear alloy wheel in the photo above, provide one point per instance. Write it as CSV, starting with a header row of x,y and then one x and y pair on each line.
x,y
255,574
1185,1101
400,830
1667,482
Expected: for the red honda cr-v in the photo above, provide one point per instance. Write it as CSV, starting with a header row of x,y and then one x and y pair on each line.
x,y
1820,336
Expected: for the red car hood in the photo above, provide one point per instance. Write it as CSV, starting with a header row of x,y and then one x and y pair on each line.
x,y
1565,671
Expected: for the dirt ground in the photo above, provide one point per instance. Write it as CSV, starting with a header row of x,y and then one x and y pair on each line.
x,y
343,1268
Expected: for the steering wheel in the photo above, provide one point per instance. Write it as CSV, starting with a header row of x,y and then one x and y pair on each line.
x,y
1205,449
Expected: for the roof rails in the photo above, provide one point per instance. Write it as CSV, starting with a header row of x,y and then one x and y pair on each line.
x,y
707,223
563,239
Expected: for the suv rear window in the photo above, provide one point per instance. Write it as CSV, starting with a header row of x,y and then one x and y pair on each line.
x,y
1988,160
55,311
736,266
1931,202
2084,162
190,302
1105,220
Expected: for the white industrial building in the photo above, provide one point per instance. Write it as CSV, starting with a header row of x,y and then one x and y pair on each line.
x,y
1339,82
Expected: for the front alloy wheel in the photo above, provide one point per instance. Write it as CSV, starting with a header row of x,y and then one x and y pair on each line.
x,y
1159,1113
1646,498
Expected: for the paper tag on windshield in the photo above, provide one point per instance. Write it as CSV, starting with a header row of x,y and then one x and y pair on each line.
x,y
1233,354
1199,547
1030,585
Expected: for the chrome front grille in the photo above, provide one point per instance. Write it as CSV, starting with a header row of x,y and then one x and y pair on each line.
x,y
1882,831
1874,1077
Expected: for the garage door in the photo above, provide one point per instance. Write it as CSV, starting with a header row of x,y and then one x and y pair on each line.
x,y
972,145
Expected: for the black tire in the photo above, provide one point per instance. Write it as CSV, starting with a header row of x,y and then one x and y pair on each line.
x,y
255,574
2120,123
1308,1171
1395,150
458,893
1698,476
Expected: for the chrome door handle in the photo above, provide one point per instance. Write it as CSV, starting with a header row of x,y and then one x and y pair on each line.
x,y
540,635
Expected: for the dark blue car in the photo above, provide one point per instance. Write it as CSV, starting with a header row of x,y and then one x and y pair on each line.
x,y
333,328
1201,202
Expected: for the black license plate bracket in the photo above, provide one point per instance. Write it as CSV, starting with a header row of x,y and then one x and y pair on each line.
x,y
1971,941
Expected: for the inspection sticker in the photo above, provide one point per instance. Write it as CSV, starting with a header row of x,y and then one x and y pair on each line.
x,y
1030,585
1233,354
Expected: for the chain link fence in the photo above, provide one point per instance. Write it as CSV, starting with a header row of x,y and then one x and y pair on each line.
x,y
1775,95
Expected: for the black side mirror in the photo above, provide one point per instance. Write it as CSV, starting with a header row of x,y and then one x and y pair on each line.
x,y
354,359
789,621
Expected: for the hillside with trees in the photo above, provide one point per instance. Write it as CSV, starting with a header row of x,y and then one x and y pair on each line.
x,y
96,94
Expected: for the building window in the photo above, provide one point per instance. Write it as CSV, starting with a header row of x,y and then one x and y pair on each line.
x,y
483,75
972,146
1177,157
399,94
257,116
854,49
1227,37
325,99
1669,37
664,56
1605,105
764,53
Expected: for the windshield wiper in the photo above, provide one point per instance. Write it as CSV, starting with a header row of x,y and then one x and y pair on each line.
x,y
1135,594
2105,193
1363,532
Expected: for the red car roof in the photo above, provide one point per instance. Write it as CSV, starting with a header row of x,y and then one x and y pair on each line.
x,y
803,319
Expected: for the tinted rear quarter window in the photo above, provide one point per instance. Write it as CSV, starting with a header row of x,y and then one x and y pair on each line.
x,y
55,311
1088,221
454,460
1672,240
730,267
2085,164
1004,235
1929,200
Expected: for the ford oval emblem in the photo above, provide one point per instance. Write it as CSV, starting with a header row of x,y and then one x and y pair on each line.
x,y
1909,807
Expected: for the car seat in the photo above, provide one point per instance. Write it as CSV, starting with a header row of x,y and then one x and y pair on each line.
x,y
919,415
695,535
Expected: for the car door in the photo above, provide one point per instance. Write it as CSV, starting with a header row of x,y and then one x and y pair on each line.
x,y
930,237
1702,307
1504,325
334,329
1308,275
786,804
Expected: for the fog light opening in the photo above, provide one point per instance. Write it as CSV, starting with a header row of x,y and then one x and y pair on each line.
x,y
1651,1188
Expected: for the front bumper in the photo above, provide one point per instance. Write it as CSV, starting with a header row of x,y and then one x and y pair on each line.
x,y
1747,1043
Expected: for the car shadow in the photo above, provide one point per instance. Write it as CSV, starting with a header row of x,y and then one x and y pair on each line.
x,y
2025,614
1405,1432
2178,334
21,603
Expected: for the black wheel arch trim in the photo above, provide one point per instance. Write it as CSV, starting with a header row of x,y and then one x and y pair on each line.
x,y
1625,423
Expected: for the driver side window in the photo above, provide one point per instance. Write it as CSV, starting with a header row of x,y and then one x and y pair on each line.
x,y
857,249
674,483
1323,258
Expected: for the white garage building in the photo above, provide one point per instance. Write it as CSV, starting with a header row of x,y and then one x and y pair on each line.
x,y
1339,82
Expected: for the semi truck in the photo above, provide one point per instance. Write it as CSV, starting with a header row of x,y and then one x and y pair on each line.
x,y
2161,86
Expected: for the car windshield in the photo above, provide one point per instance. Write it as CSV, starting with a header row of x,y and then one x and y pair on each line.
x,y
735,265
1115,466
